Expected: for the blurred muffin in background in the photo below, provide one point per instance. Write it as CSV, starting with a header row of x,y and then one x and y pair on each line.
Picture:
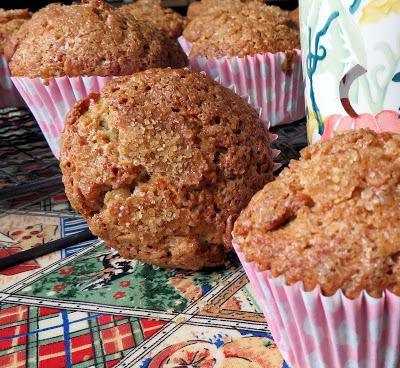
x,y
254,48
204,7
164,19
255,28
10,22
92,38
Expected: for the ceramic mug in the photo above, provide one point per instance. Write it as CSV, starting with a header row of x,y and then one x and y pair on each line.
x,y
351,65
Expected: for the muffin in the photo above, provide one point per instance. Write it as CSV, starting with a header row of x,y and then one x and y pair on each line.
x,y
166,20
203,7
263,29
66,52
255,49
90,39
321,222
10,22
322,250
159,161
295,16
217,18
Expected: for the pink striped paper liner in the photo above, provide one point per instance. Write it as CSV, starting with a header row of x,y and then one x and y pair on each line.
x,y
312,330
51,101
185,45
9,96
279,94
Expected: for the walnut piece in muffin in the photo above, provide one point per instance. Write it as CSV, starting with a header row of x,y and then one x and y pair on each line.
x,y
164,19
10,22
88,39
254,29
160,160
331,218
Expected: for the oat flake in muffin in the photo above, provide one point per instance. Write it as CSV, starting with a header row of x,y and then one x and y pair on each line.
x,y
89,39
160,160
331,218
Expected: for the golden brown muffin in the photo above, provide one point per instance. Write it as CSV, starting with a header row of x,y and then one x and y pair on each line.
x,y
88,39
331,218
10,22
254,29
158,163
164,19
203,7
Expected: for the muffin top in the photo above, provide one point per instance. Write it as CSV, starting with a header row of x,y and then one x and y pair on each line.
x,y
254,29
164,19
295,15
11,21
7,15
86,39
204,7
331,218
230,13
160,160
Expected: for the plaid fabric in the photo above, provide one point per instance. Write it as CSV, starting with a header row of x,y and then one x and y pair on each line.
x,y
52,338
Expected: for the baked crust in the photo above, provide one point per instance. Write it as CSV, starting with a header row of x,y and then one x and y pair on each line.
x,y
160,160
89,39
164,19
254,28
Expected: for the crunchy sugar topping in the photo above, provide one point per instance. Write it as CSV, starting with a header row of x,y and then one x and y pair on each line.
x,y
203,7
253,28
160,160
164,19
332,217
91,38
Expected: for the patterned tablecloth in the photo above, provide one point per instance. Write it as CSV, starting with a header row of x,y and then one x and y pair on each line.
x,y
87,307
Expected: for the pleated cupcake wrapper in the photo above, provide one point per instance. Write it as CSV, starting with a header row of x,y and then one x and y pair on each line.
x,y
51,100
312,330
9,96
185,45
279,94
